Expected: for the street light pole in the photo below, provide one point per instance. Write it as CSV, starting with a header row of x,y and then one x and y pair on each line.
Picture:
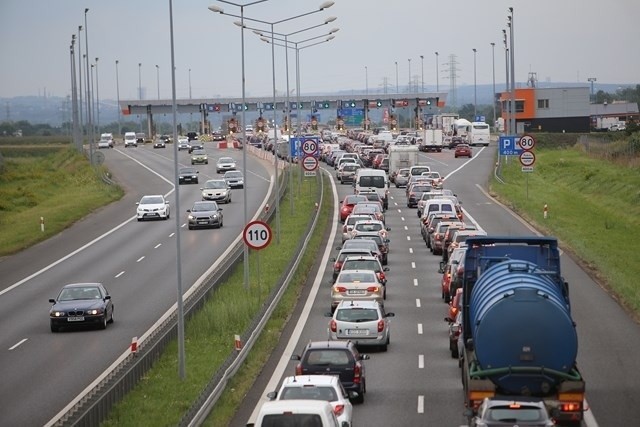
x,y
422,71
437,75
189,83
475,86
89,99
493,68
507,87
592,80
80,106
409,88
513,75
366,80
97,98
158,79
118,97
397,87
139,80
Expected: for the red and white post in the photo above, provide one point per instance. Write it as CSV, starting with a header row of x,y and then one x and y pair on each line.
x,y
42,224
545,211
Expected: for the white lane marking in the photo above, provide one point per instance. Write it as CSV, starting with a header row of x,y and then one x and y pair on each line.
x,y
415,282
419,328
402,218
410,250
408,237
406,228
118,275
172,234
413,264
418,305
421,404
589,420
157,246
140,259
421,361
399,210
17,344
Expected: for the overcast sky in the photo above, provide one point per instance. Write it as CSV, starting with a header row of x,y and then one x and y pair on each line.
x,y
560,40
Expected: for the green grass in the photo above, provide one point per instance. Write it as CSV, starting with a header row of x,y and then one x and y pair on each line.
x,y
593,209
161,398
56,184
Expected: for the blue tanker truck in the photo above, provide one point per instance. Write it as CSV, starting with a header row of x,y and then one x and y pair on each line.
x,y
518,337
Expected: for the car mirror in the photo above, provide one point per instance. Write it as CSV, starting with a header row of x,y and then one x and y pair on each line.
x,y
390,315
364,357
52,301
166,202
295,357
328,314
332,259
388,228
448,319
272,395
188,210
106,297
441,269
201,189
338,248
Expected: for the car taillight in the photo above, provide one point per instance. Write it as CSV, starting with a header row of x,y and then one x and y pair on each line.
x,y
356,373
380,325
438,237
337,266
333,326
456,330
454,312
299,369
460,271
381,276
372,289
340,289
338,410
345,229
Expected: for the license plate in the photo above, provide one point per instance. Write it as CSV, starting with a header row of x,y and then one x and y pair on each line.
x,y
75,319
203,222
356,292
357,332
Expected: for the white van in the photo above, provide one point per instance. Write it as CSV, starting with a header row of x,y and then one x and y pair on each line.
x,y
300,412
368,179
130,139
446,206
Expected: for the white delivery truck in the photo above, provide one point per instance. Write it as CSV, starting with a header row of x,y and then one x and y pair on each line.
x,y
480,134
431,140
402,156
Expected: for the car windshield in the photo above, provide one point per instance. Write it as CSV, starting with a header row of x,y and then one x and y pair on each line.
x,y
79,293
361,265
187,171
199,152
356,277
352,219
225,160
515,415
372,181
309,392
236,174
151,200
356,314
326,357
204,207
377,239
215,184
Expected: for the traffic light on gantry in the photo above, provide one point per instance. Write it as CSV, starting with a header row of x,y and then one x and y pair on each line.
x,y
378,103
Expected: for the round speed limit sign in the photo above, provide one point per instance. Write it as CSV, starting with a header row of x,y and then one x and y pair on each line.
x,y
527,142
309,147
257,235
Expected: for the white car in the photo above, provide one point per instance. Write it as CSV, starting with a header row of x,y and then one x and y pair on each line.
x,y
318,387
105,143
225,164
183,143
153,207
234,179
363,322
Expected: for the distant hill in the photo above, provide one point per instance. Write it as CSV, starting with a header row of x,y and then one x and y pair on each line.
x,y
54,110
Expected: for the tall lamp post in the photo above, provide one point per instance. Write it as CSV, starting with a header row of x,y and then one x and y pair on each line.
x,y
366,80
493,70
89,98
475,86
140,81
189,83
158,79
513,74
97,98
118,97
409,88
592,80
397,87
217,9
422,72
508,101
437,74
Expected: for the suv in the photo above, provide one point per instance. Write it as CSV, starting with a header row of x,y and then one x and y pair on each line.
x,y
363,322
340,358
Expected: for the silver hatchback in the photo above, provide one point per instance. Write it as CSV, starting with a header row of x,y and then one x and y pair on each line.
x,y
363,322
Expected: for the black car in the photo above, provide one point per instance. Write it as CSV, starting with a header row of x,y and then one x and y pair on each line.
x,y
195,145
340,358
193,136
205,214
188,176
217,136
81,304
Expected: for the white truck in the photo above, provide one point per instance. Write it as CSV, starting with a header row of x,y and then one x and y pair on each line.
x,y
402,156
480,134
462,128
432,140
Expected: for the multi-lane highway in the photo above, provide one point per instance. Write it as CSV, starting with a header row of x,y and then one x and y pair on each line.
x,y
41,372
416,382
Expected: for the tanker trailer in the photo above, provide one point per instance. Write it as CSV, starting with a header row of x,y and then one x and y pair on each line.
x,y
518,335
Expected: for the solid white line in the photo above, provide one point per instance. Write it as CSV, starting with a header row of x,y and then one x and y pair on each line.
x,y
302,319
589,420
418,302
413,264
415,282
118,275
421,361
419,328
157,246
421,404
410,250
18,343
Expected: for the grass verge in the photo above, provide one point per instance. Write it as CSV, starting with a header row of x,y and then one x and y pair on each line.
x,y
161,398
593,209
57,184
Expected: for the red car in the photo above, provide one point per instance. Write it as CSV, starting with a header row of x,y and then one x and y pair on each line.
x,y
463,150
348,203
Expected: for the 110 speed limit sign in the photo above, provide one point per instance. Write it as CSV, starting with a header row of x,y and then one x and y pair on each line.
x,y
257,235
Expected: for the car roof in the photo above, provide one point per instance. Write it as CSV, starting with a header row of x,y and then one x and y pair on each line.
x,y
351,304
328,344
82,285
303,380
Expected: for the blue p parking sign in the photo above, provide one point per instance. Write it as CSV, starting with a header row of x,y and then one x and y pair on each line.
x,y
509,146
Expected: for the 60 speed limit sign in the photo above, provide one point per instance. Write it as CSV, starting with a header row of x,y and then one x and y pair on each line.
x,y
257,235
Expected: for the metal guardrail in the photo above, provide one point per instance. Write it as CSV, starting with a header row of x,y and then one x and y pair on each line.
x,y
96,402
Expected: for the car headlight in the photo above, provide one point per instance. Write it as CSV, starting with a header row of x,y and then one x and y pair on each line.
x,y
94,311
57,313
214,216
191,217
